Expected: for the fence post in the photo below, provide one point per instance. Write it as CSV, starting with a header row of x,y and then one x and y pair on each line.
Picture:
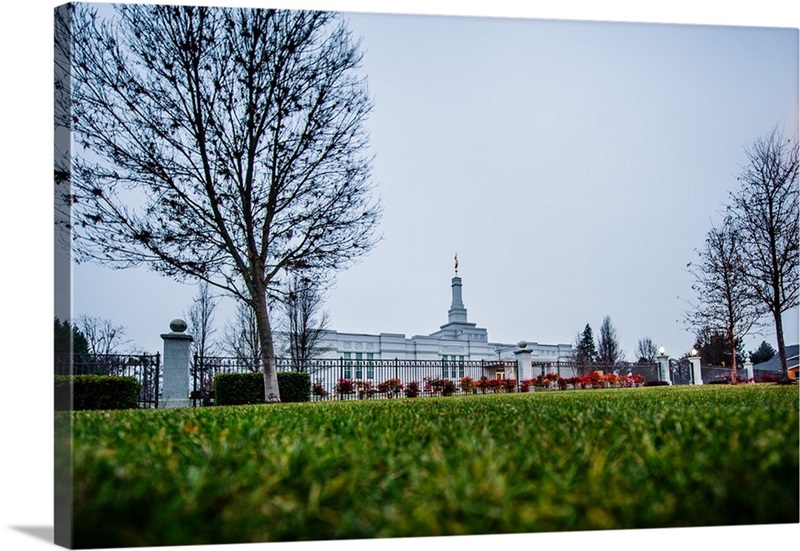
x,y
177,357
663,366
697,374
748,368
524,368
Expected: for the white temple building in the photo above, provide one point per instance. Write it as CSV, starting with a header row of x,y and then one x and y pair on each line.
x,y
456,340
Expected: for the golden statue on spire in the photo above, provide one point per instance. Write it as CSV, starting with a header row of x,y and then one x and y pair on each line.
x,y
456,263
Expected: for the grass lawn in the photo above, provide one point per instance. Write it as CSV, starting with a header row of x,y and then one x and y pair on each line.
x,y
543,461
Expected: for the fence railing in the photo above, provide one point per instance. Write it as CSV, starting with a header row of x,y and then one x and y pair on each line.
x,y
650,371
145,368
711,374
365,375
348,379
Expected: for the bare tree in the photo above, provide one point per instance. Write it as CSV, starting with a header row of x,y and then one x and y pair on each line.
x,y
305,321
102,336
725,305
765,211
646,350
608,348
241,338
223,145
201,322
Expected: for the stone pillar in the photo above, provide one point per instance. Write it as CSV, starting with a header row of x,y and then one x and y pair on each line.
x,y
748,369
177,359
663,367
697,375
524,368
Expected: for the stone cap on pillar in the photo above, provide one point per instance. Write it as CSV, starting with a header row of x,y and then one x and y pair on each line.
x,y
177,331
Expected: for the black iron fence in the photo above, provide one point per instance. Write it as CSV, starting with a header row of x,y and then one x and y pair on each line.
x,y
145,368
347,379
649,371
720,374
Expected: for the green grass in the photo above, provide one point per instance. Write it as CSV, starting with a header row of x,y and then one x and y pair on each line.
x,y
545,461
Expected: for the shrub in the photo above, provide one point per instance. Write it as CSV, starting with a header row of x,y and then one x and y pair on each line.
x,y
412,389
96,392
656,383
467,384
294,387
391,387
233,389
317,389
345,386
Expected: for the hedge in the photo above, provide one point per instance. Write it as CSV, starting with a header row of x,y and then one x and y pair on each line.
x,y
232,389
96,392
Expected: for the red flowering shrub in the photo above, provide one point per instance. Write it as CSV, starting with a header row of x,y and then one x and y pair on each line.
x,y
412,389
467,384
345,386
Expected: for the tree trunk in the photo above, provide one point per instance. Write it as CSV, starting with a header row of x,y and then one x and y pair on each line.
x,y
781,345
271,393
733,360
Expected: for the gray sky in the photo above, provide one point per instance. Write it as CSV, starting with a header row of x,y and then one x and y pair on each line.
x,y
574,167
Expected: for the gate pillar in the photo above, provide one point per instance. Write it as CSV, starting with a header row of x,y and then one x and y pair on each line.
x,y
524,368
177,359
748,368
663,366
697,374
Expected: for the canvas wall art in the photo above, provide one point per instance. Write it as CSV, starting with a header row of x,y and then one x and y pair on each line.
x,y
328,276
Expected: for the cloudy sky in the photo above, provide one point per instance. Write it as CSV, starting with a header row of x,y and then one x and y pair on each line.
x,y
573,166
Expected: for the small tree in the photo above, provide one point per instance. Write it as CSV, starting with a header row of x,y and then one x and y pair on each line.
x,y
765,212
305,321
102,336
201,322
724,303
242,338
646,350
585,351
608,347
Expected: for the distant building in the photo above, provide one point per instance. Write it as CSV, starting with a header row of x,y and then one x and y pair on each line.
x,y
774,363
456,340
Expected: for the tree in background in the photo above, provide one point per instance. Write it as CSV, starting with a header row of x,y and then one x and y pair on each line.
x,y
68,339
608,346
221,145
646,350
242,338
585,351
714,348
724,304
201,322
305,321
102,336
764,353
765,212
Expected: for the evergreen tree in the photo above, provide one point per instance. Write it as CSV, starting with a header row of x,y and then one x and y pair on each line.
x,y
68,339
586,352
764,353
